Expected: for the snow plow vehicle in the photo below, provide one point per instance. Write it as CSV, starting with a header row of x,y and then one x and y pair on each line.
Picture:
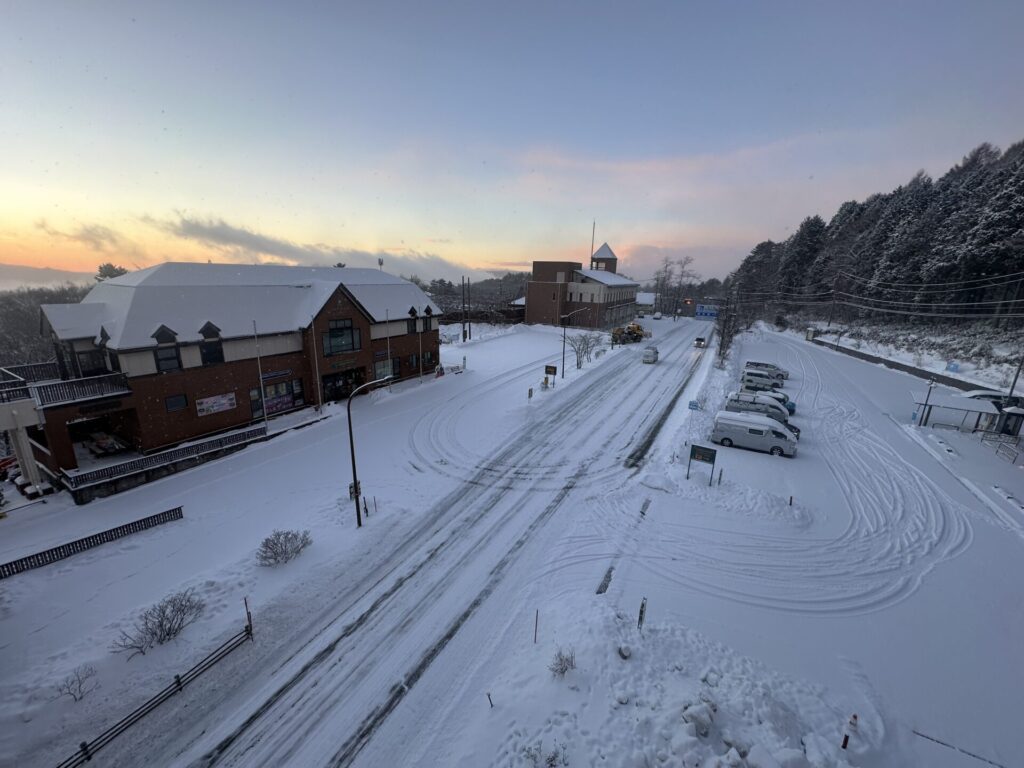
x,y
629,334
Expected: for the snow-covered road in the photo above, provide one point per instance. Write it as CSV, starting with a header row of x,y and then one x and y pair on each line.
x,y
890,577
326,704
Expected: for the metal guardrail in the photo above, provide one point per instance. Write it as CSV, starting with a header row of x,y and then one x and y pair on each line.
x,y
87,749
30,372
68,391
13,393
1005,451
135,466
46,557
73,390
998,437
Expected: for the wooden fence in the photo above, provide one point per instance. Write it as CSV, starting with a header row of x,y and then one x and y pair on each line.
x,y
48,556
87,749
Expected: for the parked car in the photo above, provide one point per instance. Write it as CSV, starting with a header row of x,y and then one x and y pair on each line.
x,y
755,431
767,367
752,379
700,342
746,402
656,316
782,397
650,355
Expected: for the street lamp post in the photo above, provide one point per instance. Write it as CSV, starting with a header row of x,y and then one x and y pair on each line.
x,y
352,445
564,318
922,422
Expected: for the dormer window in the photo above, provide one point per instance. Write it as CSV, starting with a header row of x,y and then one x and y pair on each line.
x,y
166,355
211,349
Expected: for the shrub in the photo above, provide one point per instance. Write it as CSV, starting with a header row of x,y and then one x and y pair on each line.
x,y
78,683
282,546
160,623
563,662
540,759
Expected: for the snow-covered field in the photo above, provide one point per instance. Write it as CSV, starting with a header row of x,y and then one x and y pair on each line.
x,y
888,588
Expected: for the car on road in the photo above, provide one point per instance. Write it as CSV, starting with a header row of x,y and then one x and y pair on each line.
x,y
700,342
650,354
752,430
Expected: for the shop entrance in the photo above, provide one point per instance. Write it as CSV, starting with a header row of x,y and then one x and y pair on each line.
x,y
338,386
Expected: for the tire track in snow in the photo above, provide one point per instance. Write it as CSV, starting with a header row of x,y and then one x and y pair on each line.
x,y
900,524
299,708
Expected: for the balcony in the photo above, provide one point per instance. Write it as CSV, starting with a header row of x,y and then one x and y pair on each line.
x,y
51,393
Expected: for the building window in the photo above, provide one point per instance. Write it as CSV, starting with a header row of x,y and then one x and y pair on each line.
x,y
426,322
283,396
341,337
114,360
176,403
428,358
413,362
410,325
211,352
256,403
91,363
167,358
383,368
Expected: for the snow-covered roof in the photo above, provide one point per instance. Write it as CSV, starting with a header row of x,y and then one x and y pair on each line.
x,y
955,402
645,297
604,252
184,297
607,278
520,302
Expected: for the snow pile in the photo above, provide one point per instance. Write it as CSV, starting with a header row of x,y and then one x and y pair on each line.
x,y
677,698
452,333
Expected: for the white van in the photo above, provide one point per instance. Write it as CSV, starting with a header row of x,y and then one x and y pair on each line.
x,y
767,367
754,379
755,431
747,402
650,355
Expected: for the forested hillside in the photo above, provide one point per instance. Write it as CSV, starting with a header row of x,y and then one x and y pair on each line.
x,y
20,338
950,248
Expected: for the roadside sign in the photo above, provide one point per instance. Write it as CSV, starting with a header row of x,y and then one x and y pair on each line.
x,y
700,453
550,370
703,454
694,405
706,311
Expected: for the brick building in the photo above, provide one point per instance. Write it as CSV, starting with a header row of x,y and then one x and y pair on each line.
x,y
597,297
180,352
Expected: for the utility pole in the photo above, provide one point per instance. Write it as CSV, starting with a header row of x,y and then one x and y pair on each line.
x,y
469,300
463,307
593,232
259,369
1016,376
832,309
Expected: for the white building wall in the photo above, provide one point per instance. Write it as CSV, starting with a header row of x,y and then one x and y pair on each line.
x,y
137,363
392,329
245,349
190,356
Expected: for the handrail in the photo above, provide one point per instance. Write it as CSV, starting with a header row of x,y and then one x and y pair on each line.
x,y
134,466
29,372
72,390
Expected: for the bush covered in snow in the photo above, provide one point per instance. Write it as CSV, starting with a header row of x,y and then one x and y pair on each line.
x,y
563,662
538,758
79,683
282,546
160,623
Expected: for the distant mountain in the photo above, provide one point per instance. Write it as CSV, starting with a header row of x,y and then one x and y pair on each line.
x,y
14,276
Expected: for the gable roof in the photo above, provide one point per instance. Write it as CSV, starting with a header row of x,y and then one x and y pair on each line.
x,y
607,278
604,252
187,296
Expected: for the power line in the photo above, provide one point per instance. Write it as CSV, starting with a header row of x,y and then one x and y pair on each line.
x,y
993,281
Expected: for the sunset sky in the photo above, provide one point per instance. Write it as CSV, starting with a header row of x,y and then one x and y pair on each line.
x,y
455,136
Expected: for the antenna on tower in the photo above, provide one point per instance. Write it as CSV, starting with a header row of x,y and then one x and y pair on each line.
x,y
593,231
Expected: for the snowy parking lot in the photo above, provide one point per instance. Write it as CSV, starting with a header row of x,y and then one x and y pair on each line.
x,y
889,587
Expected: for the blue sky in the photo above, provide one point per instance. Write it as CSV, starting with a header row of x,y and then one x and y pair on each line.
x,y
454,136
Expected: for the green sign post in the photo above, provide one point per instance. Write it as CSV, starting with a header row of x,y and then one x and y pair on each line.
x,y
704,454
